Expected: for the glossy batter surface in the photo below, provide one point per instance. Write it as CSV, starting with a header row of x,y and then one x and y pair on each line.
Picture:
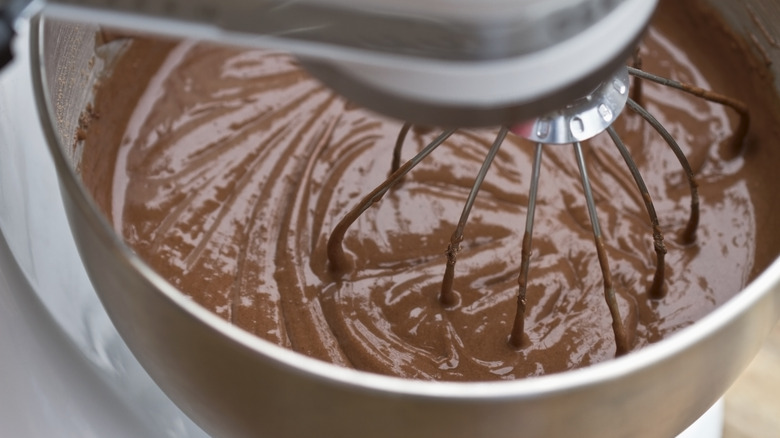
x,y
234,166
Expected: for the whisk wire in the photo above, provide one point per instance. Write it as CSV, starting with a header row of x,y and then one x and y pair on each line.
x,y
518,328
738,106
657,287
447,297
688,236
621,337
339,262
399,144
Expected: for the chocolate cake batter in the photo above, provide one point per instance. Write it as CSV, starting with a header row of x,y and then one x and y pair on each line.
x,y
229,169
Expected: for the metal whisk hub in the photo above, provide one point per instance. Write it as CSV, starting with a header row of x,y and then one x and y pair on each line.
x,y
582,119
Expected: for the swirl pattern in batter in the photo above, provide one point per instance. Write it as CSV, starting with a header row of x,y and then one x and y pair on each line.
x,y
235,165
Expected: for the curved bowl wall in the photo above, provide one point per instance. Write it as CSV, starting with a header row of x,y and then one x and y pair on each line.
x,y
233,384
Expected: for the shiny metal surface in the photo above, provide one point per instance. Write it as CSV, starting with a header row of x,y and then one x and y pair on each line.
x,y
64,370
466,30
233,384
446,62
582,119
48,388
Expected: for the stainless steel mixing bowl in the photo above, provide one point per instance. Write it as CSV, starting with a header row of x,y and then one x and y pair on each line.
x,y
234,384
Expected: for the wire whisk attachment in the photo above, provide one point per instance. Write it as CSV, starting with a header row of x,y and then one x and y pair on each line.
x,y
578,122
